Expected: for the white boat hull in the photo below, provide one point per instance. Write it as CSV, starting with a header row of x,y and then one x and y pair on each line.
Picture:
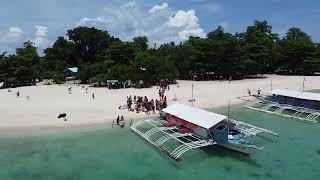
x,y
240,148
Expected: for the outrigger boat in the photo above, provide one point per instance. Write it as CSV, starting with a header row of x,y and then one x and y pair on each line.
x,y
294,104
190,128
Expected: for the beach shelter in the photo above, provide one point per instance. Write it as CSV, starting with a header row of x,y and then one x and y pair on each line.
x,y
71,73
71,70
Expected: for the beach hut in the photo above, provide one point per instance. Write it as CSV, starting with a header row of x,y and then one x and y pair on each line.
x,y
296,104
71,73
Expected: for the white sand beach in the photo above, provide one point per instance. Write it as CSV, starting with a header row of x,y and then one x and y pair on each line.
x,y
45,102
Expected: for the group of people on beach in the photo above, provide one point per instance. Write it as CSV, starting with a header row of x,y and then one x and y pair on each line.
x,y
140,104
144,104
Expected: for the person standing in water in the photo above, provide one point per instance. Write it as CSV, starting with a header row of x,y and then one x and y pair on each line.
x,y
92,95
18,94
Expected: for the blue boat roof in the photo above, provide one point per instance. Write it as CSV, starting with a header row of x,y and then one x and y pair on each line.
x,y
73,69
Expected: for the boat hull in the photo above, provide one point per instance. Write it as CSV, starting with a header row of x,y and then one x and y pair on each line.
x,y
241,148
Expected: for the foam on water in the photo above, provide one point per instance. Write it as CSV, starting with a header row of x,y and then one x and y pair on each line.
x,y
120,154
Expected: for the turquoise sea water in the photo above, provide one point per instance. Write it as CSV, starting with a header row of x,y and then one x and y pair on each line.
x,y
108,154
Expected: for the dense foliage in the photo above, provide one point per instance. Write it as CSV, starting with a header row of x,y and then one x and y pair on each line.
x,y
101,57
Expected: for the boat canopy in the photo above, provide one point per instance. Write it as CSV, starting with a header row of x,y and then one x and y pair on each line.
x,y
297,94
194,115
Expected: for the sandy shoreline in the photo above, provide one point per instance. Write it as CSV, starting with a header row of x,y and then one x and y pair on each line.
x,y
40,111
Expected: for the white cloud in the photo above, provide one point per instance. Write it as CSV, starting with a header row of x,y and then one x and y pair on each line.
x,y
11,39
184,19
93,21
156,8
189,21
15,30
41,38
41,31
129,20
13,34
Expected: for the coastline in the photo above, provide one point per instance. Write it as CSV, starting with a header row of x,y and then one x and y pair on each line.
x,y
38,114
20,131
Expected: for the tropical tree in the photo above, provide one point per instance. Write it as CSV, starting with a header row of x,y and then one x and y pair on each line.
x,y
89,42
140,43
258,45
297,50
61,55
100,57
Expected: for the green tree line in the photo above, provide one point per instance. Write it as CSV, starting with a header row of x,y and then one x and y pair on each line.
x,y
100,56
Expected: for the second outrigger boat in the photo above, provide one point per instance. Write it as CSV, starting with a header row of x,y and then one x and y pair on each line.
x,y
293,104
192,128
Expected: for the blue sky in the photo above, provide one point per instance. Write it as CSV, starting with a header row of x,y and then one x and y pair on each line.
x,y
162,21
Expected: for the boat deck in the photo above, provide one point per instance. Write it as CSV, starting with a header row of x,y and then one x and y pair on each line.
x,y
150,130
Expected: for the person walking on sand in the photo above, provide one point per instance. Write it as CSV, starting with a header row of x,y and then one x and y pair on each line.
x,y
18,94
249,92
93,96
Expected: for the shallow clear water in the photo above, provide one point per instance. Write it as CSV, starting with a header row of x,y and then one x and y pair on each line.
x,y
120,154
